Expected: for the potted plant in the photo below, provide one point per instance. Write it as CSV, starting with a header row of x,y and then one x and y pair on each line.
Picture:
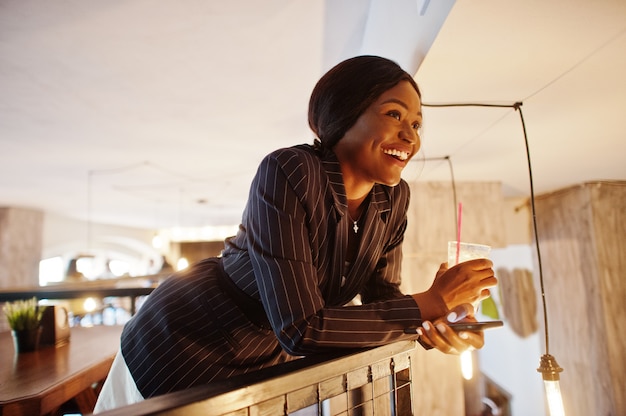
x,y
24,318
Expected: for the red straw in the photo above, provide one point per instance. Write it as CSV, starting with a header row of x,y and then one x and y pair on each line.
x,y
458,233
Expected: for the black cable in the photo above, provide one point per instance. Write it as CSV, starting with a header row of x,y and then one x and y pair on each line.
x,y
518,107
456,211
470,105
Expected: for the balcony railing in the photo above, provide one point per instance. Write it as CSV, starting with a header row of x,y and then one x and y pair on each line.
x,y
361,383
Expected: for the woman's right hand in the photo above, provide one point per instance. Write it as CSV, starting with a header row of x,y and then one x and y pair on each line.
x,y
467,282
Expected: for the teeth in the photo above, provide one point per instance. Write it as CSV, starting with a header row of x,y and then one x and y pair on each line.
x,y
397,153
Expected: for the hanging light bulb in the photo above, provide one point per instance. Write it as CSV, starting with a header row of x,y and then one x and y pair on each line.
x,y
550,370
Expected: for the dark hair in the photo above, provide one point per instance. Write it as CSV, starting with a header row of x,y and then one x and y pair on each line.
x,y
346,91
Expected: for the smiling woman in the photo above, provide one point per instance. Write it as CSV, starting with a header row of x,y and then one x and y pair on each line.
x,y
323,226
382,141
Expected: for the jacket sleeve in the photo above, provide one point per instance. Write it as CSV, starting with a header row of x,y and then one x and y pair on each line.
x,y
281,256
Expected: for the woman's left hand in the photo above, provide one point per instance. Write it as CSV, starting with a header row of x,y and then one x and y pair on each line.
x,y
439,335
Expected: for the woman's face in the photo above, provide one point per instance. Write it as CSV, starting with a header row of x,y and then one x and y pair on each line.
x,y
383,139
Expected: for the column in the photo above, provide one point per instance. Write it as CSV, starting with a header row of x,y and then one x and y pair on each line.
x,y
582,237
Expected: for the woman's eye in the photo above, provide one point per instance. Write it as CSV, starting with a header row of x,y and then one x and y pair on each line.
x,y
417,127
394,114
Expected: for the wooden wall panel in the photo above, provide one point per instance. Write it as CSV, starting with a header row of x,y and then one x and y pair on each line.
x,y
582,233
20,250
20,247
609,217
195,251
518,297
432,223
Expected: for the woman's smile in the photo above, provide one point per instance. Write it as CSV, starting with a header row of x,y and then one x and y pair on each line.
x,y
398,154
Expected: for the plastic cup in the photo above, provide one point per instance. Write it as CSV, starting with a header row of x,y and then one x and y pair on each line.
x,y
467,251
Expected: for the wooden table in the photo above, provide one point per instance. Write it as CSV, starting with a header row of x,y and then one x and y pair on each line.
x,y
38,383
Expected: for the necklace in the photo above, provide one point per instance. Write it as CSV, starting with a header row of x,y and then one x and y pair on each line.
x,y
355,223
360,209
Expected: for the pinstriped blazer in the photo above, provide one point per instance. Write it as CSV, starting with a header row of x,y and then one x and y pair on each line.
x,y
289,255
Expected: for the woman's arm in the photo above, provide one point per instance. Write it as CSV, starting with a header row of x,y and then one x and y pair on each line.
x,y
289,283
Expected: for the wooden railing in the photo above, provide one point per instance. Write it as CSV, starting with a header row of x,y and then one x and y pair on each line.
x,y
365,382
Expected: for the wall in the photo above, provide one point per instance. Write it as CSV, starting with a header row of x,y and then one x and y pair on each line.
x,y
431,225
488,218
63,236
20,246
582,233
20,249
507,358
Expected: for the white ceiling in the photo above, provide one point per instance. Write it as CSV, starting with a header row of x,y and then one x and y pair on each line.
x,y
155,114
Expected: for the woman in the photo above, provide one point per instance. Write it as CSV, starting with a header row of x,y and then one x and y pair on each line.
x,y
323,224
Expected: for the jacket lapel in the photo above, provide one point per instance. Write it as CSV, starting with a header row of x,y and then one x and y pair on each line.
x,y
373,233
333,170
372,238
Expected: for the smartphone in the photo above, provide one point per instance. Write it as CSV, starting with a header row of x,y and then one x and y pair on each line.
x,y
465,326
475,326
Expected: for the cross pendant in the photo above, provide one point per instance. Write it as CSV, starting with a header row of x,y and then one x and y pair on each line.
x,y
355,228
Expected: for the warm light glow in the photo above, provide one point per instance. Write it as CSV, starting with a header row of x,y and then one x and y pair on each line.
x,y
208,233
51,270
157,241
467,367
89,305
550,370
119,267
182,263
86,266
553,394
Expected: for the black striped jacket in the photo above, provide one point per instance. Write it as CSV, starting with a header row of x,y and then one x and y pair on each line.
x,y
289,255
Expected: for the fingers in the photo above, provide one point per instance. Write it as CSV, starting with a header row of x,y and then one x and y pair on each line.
x,y
442,337
479,271
479,267
489,281
467,282
475,340
477,264
431,336
460,312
